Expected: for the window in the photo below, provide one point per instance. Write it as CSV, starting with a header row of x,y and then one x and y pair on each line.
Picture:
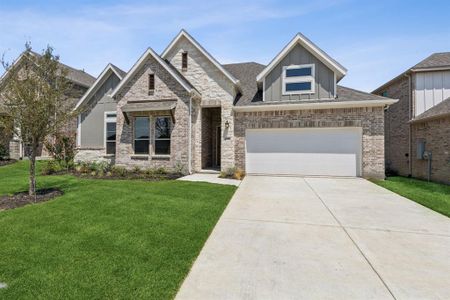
x,y
384,94
151,84
298,79
110,133
141,135
184,61
163,130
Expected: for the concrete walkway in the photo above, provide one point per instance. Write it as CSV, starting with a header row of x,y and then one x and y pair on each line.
x,y
211,178
322,238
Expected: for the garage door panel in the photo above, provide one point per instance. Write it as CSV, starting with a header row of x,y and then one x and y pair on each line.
x,y
312,151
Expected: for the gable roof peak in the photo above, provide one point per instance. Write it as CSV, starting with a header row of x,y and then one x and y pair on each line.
x,y
185,34
150,52
108,70
301,39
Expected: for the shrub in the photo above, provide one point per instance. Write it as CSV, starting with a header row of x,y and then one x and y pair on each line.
x,y
136,170
161,171
3,151
51,167
119,171
179,168
62,149
233,173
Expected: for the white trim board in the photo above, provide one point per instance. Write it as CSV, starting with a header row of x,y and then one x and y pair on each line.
x,y
139,64
311,47
183,33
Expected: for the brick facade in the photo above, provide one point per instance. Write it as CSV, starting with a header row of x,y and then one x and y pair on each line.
x,y
166,87
436,134
216,90
397,128
371,120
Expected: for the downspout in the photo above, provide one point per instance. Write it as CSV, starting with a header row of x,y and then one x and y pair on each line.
x,y
190,136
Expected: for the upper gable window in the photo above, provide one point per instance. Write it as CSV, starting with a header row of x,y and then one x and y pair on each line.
x,y
298,79
151,84
184,61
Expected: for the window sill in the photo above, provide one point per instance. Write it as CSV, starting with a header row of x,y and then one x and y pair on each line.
x,y
161,156
109,155
140,156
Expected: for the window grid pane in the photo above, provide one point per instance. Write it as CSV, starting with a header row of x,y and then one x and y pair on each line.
x,y
163,130
298,86
141,135
299,72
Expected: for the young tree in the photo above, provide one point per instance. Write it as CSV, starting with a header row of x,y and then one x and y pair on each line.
x,y
33,93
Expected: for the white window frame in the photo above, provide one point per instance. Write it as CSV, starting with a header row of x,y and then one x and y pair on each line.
x,y
108,120
162,139
299,79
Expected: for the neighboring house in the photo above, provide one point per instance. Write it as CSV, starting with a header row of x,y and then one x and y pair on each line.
x,y
80,82
417,128
183,109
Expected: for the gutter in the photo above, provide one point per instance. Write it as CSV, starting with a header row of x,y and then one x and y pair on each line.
x,y
430,118
325,105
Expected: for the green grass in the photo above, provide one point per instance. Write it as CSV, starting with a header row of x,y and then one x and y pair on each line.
x,y
104,239
432,195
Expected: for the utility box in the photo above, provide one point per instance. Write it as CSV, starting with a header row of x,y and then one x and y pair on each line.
x,y
420,149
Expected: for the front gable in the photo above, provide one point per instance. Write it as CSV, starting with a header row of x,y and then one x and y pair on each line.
x,y
207,75
300,71
168,83
322,78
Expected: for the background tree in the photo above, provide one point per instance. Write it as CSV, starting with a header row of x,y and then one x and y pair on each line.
x,y
33,93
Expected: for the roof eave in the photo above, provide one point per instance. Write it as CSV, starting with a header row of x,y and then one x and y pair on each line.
x,y
92,89
138,64
430,118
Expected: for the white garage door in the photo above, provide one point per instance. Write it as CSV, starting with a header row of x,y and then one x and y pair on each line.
x,y
304,151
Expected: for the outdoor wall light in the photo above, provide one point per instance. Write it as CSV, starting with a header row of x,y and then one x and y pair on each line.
x,y
227,124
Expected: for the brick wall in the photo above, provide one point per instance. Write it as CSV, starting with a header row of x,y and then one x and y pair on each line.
x,y
371,120
166,87
397,128
436,134
216,90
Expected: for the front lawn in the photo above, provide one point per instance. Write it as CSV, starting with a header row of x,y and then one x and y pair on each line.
x,y
104,239
432,195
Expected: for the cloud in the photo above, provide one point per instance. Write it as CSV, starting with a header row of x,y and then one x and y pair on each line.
x,y
91,35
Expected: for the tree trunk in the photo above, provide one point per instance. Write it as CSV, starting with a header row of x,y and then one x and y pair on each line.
x,y
32,186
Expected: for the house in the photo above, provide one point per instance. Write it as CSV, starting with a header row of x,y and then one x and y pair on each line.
x,y
417,128
183,109
79,80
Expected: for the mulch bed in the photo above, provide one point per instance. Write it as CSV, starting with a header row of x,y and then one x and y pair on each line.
x,y
4,162
129,176
22,198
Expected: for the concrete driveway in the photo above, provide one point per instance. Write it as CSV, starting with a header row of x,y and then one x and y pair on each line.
x,y
322,238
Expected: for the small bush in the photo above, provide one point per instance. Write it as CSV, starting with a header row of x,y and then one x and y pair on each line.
x,y
3,151
232,173
161,171
136,170
51,167
62,149
119,171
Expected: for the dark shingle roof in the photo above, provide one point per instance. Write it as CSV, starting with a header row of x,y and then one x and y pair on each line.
x,y
435,60
121,72
246,73
79,77
440,110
